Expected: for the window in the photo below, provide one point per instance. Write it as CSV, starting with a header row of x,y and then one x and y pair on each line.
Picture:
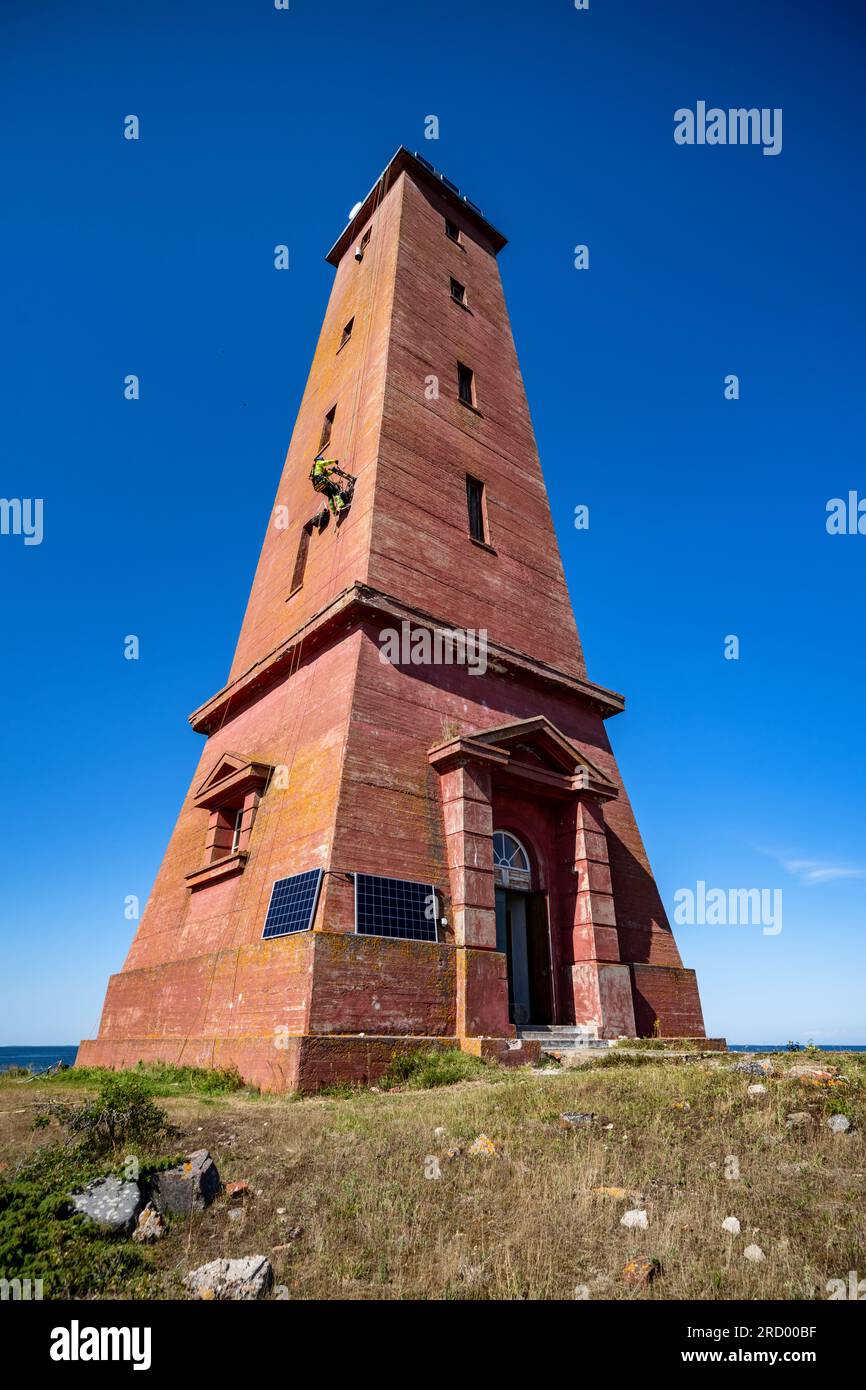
x,y
465,384
236,833
301,558
347,333
510,862
475,504
327,426
230,794
452,231
458,292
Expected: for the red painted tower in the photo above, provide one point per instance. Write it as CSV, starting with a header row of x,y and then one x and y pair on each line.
x,y
407,823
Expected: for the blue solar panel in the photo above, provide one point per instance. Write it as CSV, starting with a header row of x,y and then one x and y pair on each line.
x,y
395,907
293,903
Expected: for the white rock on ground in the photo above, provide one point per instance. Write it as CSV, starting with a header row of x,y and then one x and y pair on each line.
x,y
245,1279
753,1253
731,1224
111,1203
839,1124
635,1218
757,1089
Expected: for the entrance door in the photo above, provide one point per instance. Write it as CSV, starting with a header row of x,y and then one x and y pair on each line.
x,y
521,932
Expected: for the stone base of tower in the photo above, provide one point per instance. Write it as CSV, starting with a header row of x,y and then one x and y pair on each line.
x,y
278,1011
303,1063
666,1002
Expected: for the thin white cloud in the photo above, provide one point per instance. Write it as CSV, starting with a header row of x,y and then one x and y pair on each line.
x,y
820,870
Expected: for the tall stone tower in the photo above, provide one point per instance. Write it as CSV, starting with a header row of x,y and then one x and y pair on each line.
x,y
407,827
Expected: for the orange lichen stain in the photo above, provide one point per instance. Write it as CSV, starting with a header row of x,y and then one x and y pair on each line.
x,y
617,1192
641,1270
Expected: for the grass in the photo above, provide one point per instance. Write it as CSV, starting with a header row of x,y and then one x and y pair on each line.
x,y
158,1079
425,1070
346,1202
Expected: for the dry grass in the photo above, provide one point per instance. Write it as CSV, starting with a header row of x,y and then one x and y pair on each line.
x,y
362,1220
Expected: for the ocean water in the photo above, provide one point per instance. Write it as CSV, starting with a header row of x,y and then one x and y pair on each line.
x,y
37,1058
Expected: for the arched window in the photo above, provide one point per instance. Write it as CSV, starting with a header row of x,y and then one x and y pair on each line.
x,y
510,862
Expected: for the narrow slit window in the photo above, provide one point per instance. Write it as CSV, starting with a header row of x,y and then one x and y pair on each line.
x,y
301,559
458,291
327,426
466,384
475,505
362,245
236,832
347,333
452,231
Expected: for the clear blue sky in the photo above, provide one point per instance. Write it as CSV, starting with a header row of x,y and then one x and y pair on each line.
x,y
707,517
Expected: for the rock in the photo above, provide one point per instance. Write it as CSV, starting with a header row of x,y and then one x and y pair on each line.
x,y
439,1132
749,1068
237,1215
753,1253
641,1270
151,1226
732,1225
792,1170
235,1190
245,1279
482,1147
801,1071
757,1089
839,1124
110,1203
191,1186
637,1219
798,1118
573,1119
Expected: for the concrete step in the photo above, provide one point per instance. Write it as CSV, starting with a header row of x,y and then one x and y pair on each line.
x,y
562,1037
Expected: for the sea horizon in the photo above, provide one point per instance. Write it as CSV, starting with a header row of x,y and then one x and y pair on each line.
x,y
41,1056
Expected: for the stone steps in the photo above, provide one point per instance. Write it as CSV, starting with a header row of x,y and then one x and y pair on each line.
x,y
563,1037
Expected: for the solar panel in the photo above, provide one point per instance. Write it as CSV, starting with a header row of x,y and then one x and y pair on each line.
x,y
395,907
293,903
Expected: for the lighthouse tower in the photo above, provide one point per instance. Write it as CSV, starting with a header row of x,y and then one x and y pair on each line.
x,y
407,827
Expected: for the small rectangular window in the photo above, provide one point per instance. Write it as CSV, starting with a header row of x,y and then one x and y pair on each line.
x,y
301,559
475,504
362,245
458,291
327,425
347,333
452,231
466,384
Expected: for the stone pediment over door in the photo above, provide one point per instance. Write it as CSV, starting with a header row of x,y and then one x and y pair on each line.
x,y
531,751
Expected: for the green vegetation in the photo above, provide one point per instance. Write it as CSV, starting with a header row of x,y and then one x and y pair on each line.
x,y
123,1113
422,1070
388,1194
157,1078
40,1236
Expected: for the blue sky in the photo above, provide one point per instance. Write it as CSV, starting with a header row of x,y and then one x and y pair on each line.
x,y
707,516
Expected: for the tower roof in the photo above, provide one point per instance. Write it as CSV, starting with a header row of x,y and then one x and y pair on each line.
x,y
425,174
